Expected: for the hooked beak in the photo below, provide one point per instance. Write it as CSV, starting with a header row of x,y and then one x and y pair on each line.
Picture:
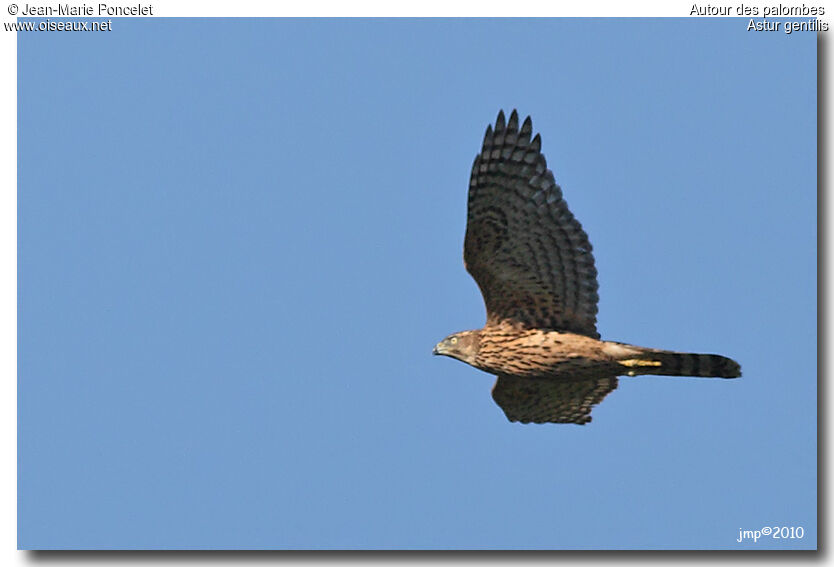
x,y
438,349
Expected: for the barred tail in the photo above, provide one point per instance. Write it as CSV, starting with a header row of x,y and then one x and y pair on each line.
x,y
668,363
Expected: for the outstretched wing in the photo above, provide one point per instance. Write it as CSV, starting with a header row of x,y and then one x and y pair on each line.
x,y
539,400
529,255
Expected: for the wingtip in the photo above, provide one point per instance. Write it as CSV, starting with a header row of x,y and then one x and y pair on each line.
x,y
500,122
512,125
527,127
536,144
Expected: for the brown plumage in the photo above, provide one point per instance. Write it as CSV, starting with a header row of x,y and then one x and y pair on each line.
x,y
534,266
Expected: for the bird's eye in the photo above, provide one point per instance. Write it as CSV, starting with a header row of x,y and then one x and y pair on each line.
x,y
453,340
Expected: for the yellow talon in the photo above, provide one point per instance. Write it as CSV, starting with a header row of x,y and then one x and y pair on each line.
x,y
631,362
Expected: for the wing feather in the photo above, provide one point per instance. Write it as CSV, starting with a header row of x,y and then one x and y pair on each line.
x,y
527,252
540,400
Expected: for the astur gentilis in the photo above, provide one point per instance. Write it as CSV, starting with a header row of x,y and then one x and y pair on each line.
x,y
533,264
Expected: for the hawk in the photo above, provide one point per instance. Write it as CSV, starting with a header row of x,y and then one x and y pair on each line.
x,y
533,264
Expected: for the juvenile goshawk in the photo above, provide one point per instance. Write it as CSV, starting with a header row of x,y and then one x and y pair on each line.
x,y
534,266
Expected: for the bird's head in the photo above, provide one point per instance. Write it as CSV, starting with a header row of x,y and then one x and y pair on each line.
x,y
463,346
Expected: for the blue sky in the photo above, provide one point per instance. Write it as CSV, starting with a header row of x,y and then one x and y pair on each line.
x,y
239,240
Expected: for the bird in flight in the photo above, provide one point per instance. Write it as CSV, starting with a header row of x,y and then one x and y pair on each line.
x,y
533,263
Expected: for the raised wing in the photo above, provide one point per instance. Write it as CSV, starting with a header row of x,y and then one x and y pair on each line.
x,y
529,255
540,400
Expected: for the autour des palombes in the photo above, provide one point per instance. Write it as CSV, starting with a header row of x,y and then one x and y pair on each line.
x,y
87,10
766,11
